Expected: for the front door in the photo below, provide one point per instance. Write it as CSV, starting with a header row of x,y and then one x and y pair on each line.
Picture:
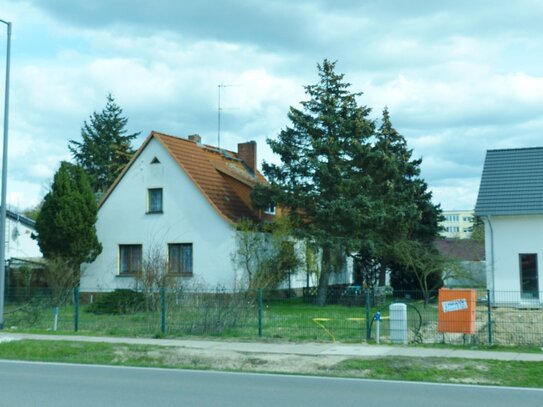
x,y
529,284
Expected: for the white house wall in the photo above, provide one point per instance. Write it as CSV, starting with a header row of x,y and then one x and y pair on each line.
x,y
187,218
19,243
300,278
506,237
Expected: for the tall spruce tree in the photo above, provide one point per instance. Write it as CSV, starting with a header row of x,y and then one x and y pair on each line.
x,y
66,223
105,147
320,151
407,215
394,174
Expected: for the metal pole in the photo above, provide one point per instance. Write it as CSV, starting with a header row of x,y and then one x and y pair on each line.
x,y
55,318
163,311
260,312
368,326
489,317
377,326
4,180
219,118
76,308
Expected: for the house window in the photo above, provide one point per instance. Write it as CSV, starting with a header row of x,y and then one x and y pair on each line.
x,y
270,209
154,200
529,285
130,258
180,258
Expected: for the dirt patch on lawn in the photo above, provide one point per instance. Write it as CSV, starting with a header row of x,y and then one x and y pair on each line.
x,y
401,368
228,360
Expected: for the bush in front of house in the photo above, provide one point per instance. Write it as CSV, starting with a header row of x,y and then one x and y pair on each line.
x,y
120,301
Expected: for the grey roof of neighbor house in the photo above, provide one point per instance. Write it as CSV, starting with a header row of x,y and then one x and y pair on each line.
x,y
512,182
17,217
461,249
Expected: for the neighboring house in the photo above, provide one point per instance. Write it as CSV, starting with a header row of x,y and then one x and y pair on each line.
x,y
22,251
457,224
180,199
20,246
510,202
470,255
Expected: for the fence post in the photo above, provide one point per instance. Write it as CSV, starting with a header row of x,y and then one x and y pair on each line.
x,y
489,317
163,311
260,312
368,327
76,308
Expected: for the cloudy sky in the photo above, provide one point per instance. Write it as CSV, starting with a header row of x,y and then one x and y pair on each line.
x,y
459,77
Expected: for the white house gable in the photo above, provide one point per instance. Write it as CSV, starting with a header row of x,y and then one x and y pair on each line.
x,y
510,202
158,208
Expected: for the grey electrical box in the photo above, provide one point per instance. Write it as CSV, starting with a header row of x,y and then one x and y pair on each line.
x,y
398,323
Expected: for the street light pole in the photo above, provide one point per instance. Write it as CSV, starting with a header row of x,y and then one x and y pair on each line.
x,y
4,180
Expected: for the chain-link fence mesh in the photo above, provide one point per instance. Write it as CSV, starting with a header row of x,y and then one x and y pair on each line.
x,y
348,316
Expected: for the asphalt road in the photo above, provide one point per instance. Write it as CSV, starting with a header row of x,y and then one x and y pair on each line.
x,y
25,384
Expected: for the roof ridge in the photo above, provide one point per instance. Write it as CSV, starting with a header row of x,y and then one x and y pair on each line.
x,y
208,147
220,195
200,163
511,182
516,149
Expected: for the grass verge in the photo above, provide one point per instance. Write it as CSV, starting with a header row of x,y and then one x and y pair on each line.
x,y
440,370
446,370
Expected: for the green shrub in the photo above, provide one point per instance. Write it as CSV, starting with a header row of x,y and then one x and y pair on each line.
x,y
120,301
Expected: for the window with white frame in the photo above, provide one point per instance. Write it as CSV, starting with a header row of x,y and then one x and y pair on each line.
x,y
270,209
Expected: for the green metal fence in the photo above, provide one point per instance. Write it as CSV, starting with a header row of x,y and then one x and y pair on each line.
x,y
348,316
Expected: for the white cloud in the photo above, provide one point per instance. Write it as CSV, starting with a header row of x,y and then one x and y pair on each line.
x,y
456,83
456,194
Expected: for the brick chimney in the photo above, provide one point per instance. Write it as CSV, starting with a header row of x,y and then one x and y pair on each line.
x,y
196,138
247,153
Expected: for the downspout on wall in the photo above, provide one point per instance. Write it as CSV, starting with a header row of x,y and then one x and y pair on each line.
x,y
491,286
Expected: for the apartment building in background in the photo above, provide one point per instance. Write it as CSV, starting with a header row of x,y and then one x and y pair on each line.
x,y
457,224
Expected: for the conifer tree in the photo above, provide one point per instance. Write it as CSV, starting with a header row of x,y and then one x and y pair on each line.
x,y
66,223
347,186
320,151
407,214
393,173
105,147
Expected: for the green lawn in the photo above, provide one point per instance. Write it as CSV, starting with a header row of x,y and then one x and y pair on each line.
x,y
445,370
441,370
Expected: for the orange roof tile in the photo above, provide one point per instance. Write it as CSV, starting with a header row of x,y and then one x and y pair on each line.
x,y
224,179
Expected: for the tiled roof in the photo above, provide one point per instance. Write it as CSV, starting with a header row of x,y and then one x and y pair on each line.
x,y
461,249
21,218
512,182
224,179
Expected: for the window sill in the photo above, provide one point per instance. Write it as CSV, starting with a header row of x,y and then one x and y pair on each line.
x,y
124,275
154,212
181,274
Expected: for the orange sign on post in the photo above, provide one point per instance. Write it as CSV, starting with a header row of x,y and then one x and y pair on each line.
x,y
456,311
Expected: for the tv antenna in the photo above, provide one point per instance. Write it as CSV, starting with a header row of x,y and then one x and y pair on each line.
x,y
219,110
